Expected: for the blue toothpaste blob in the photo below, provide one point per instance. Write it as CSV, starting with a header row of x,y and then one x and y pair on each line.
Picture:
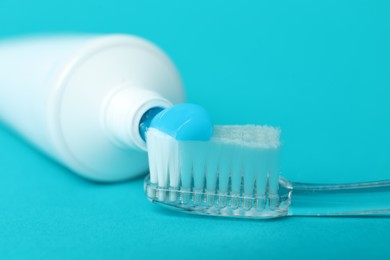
x,y
146,120
184,122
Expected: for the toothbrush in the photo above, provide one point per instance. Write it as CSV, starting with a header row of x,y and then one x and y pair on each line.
x,y
235,173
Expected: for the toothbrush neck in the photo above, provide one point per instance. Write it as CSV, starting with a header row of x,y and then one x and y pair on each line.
x,y
127,113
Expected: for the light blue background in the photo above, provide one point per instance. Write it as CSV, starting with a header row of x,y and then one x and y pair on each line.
x,y
318,69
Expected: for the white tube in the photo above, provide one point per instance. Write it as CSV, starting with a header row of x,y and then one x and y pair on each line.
x,y
79,98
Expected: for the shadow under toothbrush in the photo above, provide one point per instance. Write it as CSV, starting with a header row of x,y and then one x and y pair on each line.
x,y
167,211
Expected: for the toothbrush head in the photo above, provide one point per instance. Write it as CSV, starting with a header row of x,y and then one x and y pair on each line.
x,y
235,173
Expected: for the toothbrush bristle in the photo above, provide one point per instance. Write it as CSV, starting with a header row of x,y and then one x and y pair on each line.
x,y
237,170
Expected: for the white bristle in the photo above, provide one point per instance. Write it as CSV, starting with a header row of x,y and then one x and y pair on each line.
x,y
239,162
159,145
249,173
225,165
250,167
173,167
261,172
199,164
162,165
186,166
152,156
211,170
273,178
236,169
199,160
260,164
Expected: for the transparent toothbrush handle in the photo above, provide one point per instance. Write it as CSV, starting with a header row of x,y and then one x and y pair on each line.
x,y
355,199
